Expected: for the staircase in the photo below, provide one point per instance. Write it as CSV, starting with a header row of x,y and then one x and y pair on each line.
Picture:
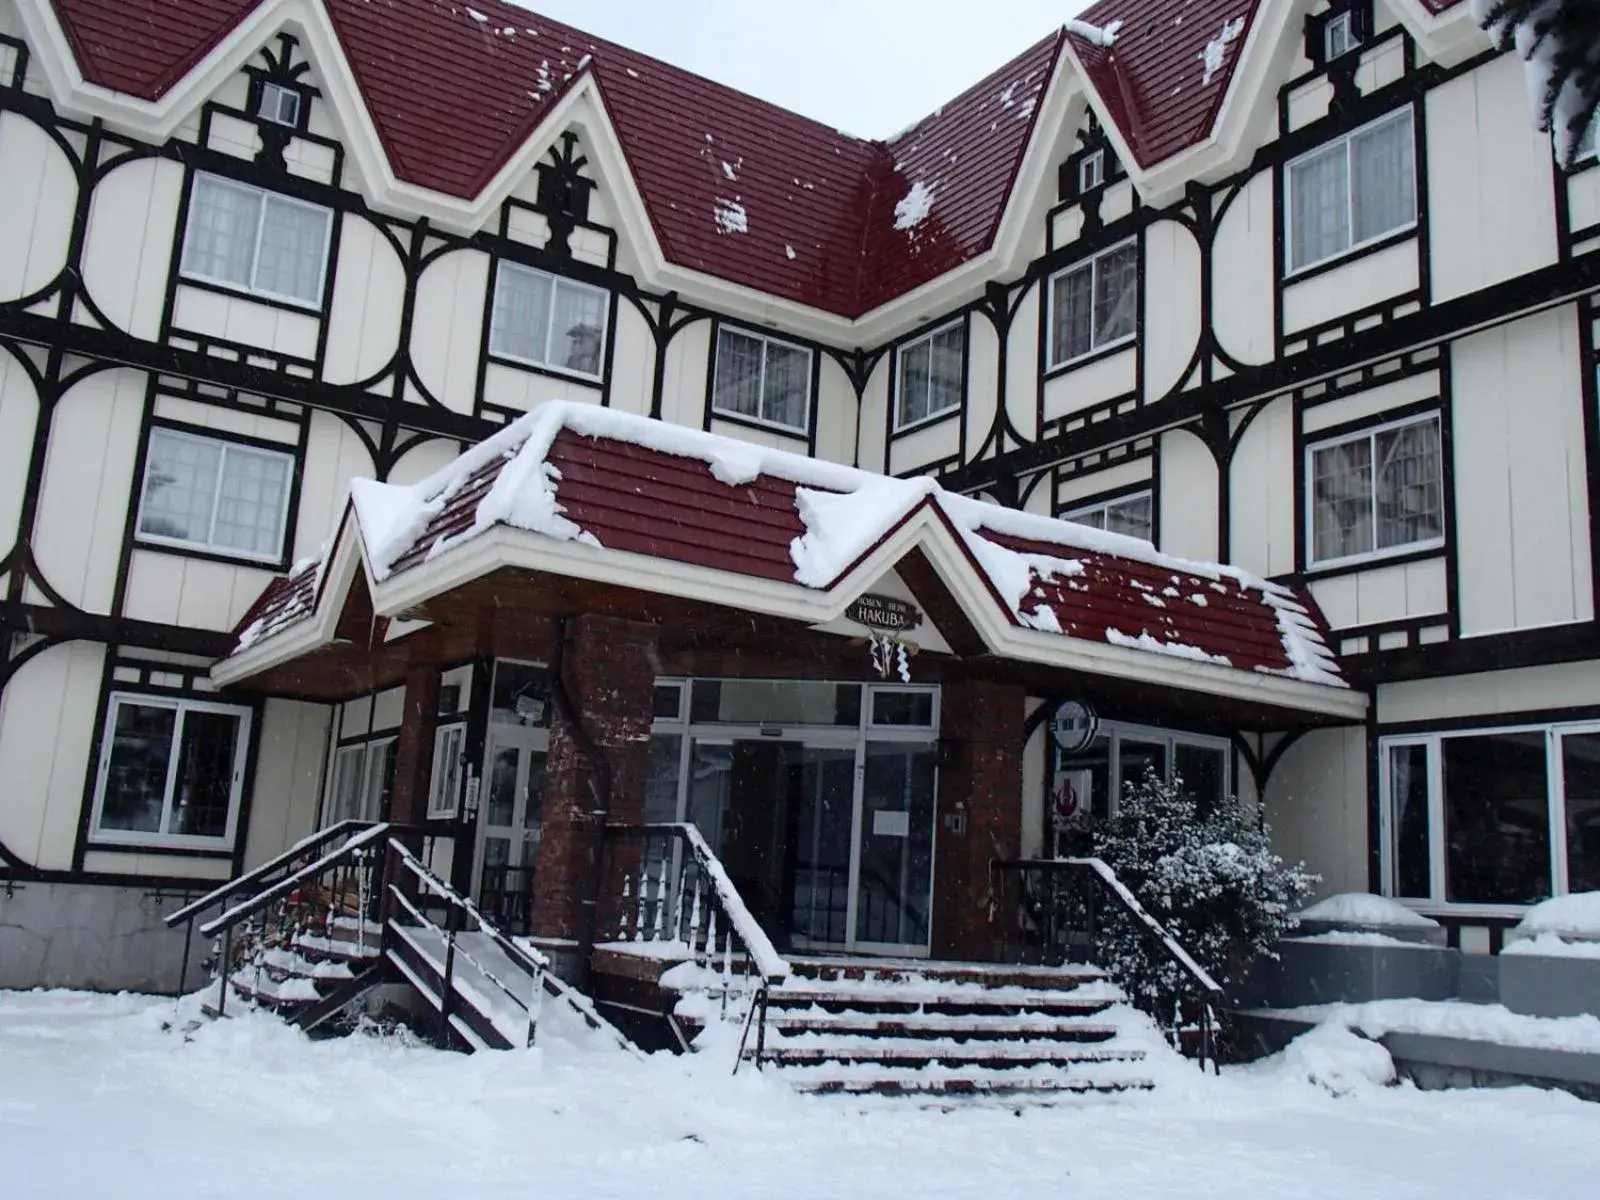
x,y
310,934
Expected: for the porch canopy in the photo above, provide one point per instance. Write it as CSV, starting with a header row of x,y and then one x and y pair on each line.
x,y
736,551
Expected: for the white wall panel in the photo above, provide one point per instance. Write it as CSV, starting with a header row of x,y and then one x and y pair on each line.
x,y
926,444
334,456
422,460
1491,694
447,329
47,715
226,420
1316,805
128,244
19,415
875,416
1522,514
1188,497
368,294
36,205
1128,474
1171,305
195,593
1086,386
247,322
515,388
1263,500
633,365
1351,287
1242,287
1383,594
836,413
88,484
1022,365
288,781
683,393
1370,403
1491,198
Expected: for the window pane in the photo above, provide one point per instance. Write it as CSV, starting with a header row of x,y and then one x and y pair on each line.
x,y
349,767
1204,771
1408,800
788,387
521,318
293,240
1410,485
1319,193
1133,516
661,779
738,388
500,794
710,777
379,790
895,873
1341,500
180,487
916,364
221,239
1496,819
1094,517
1116,295
1580,759
446,771
580,328
1384,186
903,708
1073,301
136,775
203,787
1134,758
250,510
945,371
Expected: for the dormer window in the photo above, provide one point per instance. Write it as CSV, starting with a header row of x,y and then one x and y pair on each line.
x,y
1091,171
279,104
1339,36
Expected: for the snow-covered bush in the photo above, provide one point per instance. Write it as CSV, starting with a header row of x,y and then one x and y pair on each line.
x,y
1206,872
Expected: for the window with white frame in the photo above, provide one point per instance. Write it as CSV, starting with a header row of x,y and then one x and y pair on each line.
x,y
256,241
171,772
548,321
762,379
279,104
363,781
444,791
1356,190
1099,776
1095,304
932,373
1498,817
1376,492
215,495
1338,36
1133,515
1091,171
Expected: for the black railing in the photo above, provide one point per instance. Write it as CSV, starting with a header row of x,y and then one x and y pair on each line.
x,y
1058,911
674,892
505,894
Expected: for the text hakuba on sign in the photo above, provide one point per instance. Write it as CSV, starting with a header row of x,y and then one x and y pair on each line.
x,y
884,612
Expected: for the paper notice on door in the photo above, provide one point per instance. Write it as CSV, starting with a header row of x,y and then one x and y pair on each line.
x,y
887,823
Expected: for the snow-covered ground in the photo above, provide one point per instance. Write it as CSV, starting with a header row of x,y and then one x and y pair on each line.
x,y
96,1100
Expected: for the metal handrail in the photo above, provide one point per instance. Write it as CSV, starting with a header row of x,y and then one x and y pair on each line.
x,y
298,850
289,883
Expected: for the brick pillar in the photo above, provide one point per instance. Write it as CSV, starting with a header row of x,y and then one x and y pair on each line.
x,y
984,721
609,668
413,753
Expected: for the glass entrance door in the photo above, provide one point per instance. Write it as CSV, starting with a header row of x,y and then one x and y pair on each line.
x,y
509,823
894,871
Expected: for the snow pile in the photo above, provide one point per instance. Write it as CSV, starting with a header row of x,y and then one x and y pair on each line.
x,y
1573,918
1359,937
1104,36
730,216
1363,909
1548,945
1216,52
1334,1058
1458,1019
913,208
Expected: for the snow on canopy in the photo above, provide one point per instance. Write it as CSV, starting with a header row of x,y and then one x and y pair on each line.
x,y
616,482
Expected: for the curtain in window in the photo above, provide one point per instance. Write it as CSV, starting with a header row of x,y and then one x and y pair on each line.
x,y
203,782
1383,179
738,386
916,371
250,506
136,773
1319,212
221,239
1116,295
1408,799
1410,485
521,322
578,328
1341,499
180,486
1073,305
294,238
944,372
788,386
348,768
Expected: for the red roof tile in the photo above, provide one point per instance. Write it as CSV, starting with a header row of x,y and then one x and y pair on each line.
x,y
287,600
143,47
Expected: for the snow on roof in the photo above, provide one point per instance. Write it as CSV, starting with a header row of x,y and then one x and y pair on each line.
x,y
620,482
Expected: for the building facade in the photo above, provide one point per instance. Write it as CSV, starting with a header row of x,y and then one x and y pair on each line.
x,y
1293,287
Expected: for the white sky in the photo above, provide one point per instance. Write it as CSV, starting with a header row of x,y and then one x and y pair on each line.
x,y
871,67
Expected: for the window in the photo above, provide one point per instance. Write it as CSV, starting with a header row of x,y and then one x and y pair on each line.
x,y
268,245
363,781
171,772
762,379
1499,817
1133,515
1338,36
546,321
279,105
1097,777
1376,492
1352,191
217,495
932,375
1094,304
1091,171
444,792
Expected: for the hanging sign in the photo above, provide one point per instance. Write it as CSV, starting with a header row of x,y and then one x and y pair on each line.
x,y
1074,726
884,612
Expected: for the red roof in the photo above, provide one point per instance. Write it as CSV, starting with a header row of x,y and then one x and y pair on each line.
x,y
287,600
1439,6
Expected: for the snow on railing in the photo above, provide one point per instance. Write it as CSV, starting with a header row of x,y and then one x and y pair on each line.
x,y
289,883
297,851
772,966
1131,902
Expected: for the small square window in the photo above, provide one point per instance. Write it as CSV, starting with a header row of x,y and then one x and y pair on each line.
x,y
1338,36
1091,172
216,495
762,379
279,104
668,702
1377,492
932,375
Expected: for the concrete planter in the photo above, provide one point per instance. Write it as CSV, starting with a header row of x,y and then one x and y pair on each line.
x,y
1546,985
1334,973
